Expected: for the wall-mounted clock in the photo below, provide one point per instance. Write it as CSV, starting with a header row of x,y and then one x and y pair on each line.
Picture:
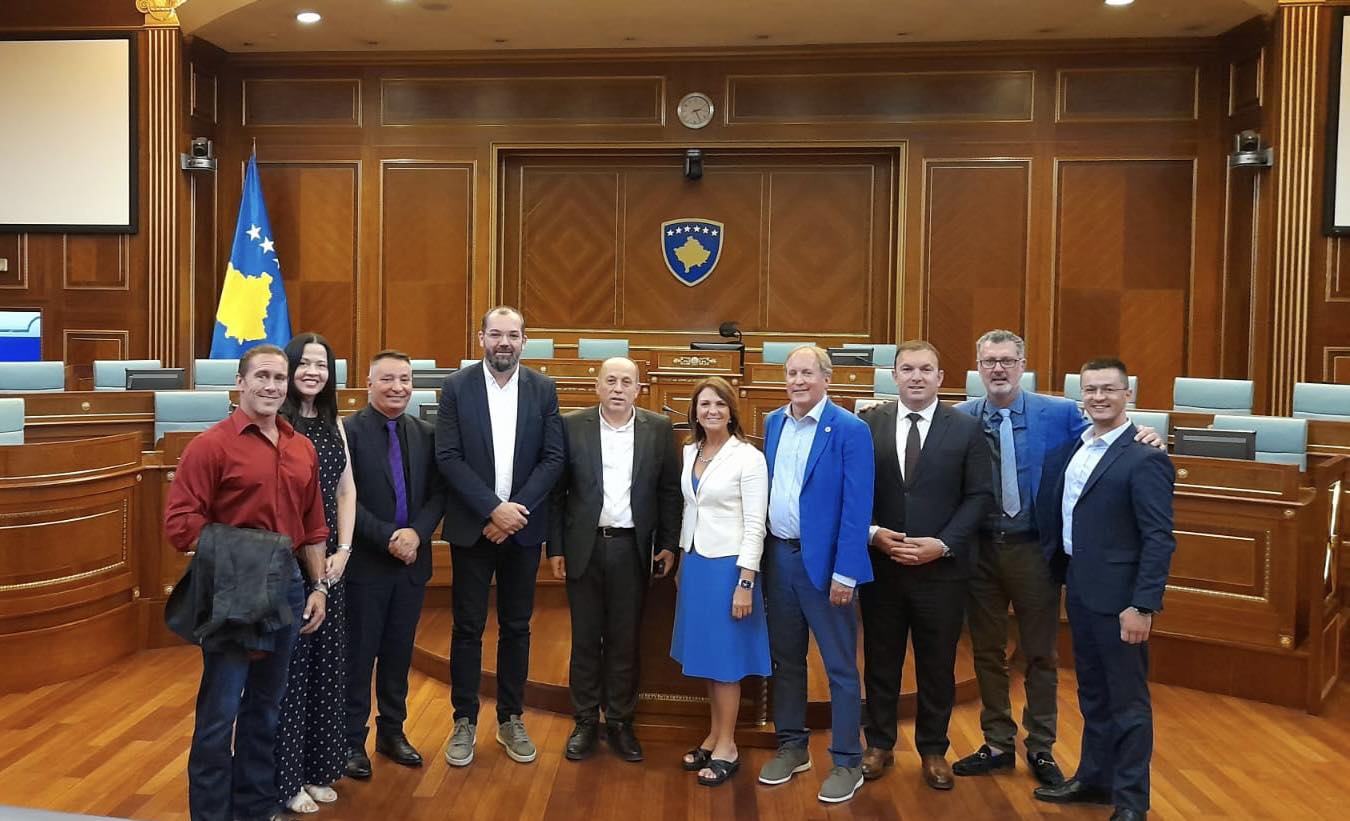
x,y
695,110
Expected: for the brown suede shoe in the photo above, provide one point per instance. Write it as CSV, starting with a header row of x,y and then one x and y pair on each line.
x,y
874,761
937,773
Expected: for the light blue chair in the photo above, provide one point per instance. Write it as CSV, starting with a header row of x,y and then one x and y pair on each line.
x,y
883,355
1279,439
1160,421
884,384
419,398
536,349
11,421
423,364
188,410
340,365
601,348
777,352
214,374
469,363
1073,388
1231,397
111,374
975,385
32,377
1316,400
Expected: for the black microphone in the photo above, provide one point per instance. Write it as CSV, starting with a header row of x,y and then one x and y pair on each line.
x,y
669,409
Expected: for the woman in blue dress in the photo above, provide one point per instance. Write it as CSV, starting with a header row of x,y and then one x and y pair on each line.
x,y
720,631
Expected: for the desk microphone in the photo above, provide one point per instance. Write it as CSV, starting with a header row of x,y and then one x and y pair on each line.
x,y
669,409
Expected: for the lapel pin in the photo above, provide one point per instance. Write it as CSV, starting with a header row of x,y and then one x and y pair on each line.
x,y
827,430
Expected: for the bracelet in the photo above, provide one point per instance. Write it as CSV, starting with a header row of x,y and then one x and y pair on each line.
x,y
323,590
347,547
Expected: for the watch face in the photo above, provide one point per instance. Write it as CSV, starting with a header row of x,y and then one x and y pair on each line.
x,y
695,110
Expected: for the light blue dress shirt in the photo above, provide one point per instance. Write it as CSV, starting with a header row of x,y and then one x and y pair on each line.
x,y
789,472
1080,468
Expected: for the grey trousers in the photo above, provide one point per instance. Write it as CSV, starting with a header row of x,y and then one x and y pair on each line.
x,y
1015,572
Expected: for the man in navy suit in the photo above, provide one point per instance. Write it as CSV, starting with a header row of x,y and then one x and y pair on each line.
x,y
820,506
1105,514
499,444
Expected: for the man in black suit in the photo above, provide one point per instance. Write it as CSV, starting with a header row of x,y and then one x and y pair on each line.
x,y
614,520
933,486
399,499
499,444
1105,519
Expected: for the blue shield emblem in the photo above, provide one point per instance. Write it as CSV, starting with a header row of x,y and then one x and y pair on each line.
x,y
691,248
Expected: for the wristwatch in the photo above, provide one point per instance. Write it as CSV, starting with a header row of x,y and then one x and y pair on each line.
x,y
946,552
745,584
322,586
1143,611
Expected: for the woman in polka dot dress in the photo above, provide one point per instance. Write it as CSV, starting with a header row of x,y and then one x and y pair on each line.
x,y
311,747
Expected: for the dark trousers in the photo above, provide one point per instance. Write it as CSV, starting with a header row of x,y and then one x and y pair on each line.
x,y
896,606
606,607
382,615
1117,713
515,567
1015,572
796,610
240,697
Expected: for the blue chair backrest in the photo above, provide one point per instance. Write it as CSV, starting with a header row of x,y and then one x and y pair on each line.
x,y
214,374
1073,388
777,352
32,377
884,384
1279,439
188,410
469,363
1316,400
419,398
536,349
423,364
11,421
883,354
1158,420
975,385
601,348
1232,397
340,365
111,374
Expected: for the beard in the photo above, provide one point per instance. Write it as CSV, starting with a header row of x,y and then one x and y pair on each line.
x,y
503,361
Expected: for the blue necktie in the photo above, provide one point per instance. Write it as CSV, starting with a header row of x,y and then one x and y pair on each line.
x,y
396,471
1007,451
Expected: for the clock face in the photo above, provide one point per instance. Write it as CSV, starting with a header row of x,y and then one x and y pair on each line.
x,y
695,110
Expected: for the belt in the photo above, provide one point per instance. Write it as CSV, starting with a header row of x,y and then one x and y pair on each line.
x,y
615,532
795,544
1004,537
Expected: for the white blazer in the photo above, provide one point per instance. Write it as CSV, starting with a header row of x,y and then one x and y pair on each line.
x,y
727,515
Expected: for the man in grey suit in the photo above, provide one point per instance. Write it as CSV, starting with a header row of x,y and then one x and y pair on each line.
x,y
614,521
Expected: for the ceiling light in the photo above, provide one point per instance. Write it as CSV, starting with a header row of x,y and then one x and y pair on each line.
x,y
1119,2
308,17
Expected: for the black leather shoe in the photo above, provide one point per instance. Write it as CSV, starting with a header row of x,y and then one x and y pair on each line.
x,y
1045,769
581,743
1072,791
983,761
358,765
397,749
1123,814
623,741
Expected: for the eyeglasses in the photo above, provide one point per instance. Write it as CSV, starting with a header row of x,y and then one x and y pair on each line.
x,y
990,364
1096,390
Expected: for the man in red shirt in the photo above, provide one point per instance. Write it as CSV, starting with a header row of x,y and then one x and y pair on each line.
x,y
249,470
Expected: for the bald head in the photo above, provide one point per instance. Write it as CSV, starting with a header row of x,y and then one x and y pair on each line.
x,y
617,388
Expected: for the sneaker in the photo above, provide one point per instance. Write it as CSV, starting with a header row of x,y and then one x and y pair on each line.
x,y
459,753
841,784
511,735
787,762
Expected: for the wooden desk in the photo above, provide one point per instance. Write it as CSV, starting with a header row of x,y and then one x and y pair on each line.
x,y
67,415
675,373
843,378
575,379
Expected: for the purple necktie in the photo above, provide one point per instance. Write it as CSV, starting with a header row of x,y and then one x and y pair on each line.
x,y
396,470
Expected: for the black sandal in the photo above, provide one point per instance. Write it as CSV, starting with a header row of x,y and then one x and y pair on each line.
x,y
700,756
722,770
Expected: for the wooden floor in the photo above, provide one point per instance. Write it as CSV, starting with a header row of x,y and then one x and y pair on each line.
x,y
115,743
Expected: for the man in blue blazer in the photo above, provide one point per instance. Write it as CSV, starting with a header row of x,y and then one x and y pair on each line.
x,y
499,444
820,507
1105,516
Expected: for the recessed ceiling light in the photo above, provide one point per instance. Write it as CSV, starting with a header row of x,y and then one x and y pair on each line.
x,y
1119,2
308,17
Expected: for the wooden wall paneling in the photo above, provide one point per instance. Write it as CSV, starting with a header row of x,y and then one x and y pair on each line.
x,y
15,275
589,101
79,349
1241,248
426,248
95,263
976,222
1128,94
894,97
301,101
202,92
1124,250
205,264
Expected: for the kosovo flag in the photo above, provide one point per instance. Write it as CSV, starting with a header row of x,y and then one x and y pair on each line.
x,y
253,301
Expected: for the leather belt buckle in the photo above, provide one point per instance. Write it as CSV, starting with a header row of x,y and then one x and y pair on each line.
x,y
607,532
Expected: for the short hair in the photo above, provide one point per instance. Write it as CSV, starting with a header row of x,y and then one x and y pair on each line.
x,y
822,358
999,336
1106,363
390,353
721,387
501,310
912,345
246,360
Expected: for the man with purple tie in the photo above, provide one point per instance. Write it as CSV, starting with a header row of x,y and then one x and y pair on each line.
x,y
400,498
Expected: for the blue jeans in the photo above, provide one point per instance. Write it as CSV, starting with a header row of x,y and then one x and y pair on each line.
x,y
243,696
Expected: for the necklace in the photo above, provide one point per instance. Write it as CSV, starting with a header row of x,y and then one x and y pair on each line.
x,y
702,459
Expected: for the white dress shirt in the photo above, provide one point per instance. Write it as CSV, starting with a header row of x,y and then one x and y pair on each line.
x,y
1080,468
616,461
902,425
503,408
